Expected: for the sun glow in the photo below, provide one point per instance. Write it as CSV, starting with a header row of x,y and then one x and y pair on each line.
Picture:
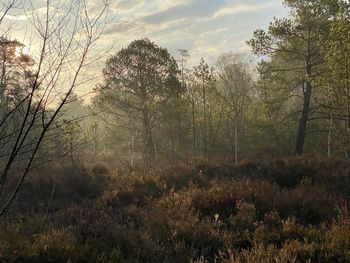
x,y
21,51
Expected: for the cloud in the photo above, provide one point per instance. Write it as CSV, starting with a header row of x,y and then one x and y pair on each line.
x,y
128,5
28,12
13,17
205,27
236,8
190,9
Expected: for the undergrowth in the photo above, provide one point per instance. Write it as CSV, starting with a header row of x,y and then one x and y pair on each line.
x,y
287,210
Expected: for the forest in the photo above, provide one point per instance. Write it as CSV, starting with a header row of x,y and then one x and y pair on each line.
x,y
142,153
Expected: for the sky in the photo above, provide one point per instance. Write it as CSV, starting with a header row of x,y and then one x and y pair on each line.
x,y
206,28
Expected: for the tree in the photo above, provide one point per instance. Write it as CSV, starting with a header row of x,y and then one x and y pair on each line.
x,y
204,85
15,71
235,84
138,80
62,56
15,80
337,77
296,41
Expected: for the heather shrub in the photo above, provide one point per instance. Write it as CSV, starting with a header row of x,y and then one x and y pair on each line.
x,y
179,177
241,225
286,210
101,175
100,171
222,195
67,185
288,241
173,220
308,204
53,246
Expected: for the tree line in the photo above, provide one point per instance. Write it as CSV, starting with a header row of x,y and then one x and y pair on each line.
x,y
152,108
161,107
294,100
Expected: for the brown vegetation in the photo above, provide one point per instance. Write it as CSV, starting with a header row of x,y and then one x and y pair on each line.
x,y
290,210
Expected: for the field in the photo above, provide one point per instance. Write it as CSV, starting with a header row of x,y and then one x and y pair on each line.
x,y
286,210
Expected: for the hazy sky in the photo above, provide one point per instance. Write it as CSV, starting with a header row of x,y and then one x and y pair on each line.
x,y
204,27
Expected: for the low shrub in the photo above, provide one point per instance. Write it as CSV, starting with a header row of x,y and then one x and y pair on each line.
x,y
288,210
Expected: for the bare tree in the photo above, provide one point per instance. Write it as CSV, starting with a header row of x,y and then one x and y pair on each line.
x,y
234,86
5,9
66,43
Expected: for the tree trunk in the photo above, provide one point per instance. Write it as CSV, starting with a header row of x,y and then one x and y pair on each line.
x,y
329,139
132,143
2,89
194,128
149,143
204,121
236,142
104,144
347,95
95,140
172,143
71,148
303,121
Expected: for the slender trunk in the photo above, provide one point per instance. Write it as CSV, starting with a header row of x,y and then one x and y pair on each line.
x,y
204,121
132,142
236,142
303,121
104,144
149,142
194,128
144,150
216,132
155,148
229,129
95,142
210,129
49,207
71,147
172,143
179,131
347,95
132,157
3,86
330,131
329,139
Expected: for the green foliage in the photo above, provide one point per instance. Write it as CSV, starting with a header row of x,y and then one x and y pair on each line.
x,y
293,57
138,82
